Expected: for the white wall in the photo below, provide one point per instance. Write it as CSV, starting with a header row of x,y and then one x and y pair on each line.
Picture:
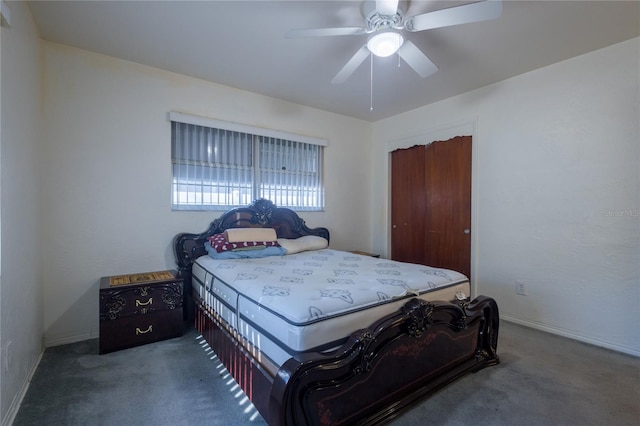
x,y
21,312
106,193
556,192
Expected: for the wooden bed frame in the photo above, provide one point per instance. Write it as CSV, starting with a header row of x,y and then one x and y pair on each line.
x,y
379,372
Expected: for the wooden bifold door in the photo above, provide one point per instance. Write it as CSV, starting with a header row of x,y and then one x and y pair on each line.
x,y
431,204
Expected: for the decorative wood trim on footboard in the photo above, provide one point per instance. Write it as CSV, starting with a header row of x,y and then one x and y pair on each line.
x,y
376,374
380,371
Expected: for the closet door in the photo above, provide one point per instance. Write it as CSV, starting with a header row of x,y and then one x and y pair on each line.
x,y
408,204
448,204
431,204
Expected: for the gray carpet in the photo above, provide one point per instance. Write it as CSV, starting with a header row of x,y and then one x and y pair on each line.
x,y
542,380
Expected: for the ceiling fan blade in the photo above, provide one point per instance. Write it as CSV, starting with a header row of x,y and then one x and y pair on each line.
x,y
465,14
351,65
387,7
323,32
416,59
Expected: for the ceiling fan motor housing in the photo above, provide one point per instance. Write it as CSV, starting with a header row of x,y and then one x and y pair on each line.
x,y
377,21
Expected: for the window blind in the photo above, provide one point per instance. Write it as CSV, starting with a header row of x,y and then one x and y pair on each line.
x,y
219,167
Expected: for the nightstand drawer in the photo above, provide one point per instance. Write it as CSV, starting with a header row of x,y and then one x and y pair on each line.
x,y
139,300
135,330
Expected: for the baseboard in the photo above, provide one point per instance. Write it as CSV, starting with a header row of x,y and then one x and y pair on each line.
x,y
12,412
65,340
570,335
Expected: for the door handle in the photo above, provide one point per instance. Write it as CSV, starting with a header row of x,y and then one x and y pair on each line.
x,y
467,230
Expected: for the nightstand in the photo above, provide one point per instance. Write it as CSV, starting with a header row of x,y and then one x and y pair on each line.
x,y
364,253
139,308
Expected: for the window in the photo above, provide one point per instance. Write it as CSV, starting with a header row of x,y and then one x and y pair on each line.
x,y
217,165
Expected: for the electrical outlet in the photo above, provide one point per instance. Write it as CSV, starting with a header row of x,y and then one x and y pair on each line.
x,y
521,288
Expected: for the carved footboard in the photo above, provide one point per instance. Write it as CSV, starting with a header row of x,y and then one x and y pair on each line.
x,y
380,371
376,374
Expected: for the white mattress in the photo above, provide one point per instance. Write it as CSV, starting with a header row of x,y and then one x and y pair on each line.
x,y
313,300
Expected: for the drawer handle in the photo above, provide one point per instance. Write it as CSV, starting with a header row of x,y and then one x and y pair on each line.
x,y
148,302
148,330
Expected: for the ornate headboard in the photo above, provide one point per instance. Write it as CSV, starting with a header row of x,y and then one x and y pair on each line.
x,y
261,213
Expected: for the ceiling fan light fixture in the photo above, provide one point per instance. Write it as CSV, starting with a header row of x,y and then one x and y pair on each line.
x,y
385,43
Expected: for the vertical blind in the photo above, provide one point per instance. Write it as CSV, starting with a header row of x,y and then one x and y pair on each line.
x,y
217,168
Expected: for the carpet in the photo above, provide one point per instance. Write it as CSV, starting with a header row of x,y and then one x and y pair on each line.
x,y
542,379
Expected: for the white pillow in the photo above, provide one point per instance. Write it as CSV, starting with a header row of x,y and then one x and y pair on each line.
x,y
308,242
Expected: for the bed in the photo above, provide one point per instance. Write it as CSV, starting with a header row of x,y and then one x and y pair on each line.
x,y
373,337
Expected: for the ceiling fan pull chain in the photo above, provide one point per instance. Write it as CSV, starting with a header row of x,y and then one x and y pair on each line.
x,y
371,84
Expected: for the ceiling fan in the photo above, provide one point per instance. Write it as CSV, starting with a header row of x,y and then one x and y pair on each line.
x,y
385,24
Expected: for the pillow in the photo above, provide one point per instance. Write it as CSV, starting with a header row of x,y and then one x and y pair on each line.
x,y
244,254
220,244
237,235
308,242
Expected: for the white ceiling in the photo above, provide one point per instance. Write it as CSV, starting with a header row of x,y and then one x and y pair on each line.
x,y
242,44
